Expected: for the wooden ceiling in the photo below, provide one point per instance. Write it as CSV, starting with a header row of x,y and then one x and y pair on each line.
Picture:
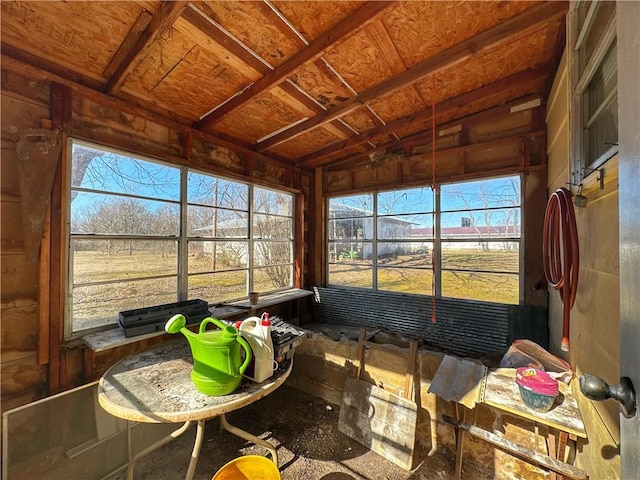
x,y
310,83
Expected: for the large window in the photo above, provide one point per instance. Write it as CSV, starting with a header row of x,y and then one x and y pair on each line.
x,y
143,233
594,84
480,225
462,242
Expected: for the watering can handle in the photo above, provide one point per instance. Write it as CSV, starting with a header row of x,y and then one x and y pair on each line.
x,y
247,357
215,321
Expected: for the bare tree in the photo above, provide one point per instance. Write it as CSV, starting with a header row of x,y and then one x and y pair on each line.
x,y
125,216
272,226
492,207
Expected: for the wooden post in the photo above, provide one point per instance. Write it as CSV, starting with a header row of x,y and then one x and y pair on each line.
x,y
43,292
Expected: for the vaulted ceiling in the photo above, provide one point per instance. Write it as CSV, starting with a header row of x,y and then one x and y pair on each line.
x,y
310,83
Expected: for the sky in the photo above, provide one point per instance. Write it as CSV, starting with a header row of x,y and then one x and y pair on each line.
x,y
119,173
459,199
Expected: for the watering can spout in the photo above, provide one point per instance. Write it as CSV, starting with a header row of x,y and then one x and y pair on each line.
x,y
177,324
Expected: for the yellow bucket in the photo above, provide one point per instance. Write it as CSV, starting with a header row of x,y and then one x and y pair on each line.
x,y
248,467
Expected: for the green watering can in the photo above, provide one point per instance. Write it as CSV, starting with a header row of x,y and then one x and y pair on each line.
x,y
217,362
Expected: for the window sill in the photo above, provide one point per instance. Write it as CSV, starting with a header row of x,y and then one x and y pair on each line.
x,y
101,341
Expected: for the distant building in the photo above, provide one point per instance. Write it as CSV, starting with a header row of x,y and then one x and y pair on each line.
x,y
468,231
349,226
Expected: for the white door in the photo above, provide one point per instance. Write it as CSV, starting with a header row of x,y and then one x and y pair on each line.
x,y
628,19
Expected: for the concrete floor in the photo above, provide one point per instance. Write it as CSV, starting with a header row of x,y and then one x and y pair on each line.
x,y
304,429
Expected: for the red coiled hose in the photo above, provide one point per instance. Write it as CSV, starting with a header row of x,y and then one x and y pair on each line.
x,y
561,254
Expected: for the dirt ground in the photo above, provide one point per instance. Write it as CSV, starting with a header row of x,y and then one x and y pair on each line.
x,y
304,430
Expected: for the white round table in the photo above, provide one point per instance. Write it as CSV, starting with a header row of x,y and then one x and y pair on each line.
x,y
155,386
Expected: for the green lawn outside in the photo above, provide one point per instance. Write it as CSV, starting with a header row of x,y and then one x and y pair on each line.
x,y
98,304
490,287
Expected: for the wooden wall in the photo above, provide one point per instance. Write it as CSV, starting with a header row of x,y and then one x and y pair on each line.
x,y
23,105
595,317
38,115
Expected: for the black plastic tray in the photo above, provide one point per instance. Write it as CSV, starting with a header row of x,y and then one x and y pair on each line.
x,y
152,319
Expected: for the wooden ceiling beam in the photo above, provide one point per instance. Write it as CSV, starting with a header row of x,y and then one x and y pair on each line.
x,y
470,48
20,56
296,37
340,32
423,137
216,32
213,30
165,16
138,28
524,78
321,63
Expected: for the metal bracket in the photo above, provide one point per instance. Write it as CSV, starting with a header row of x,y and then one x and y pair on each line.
x,y
589,171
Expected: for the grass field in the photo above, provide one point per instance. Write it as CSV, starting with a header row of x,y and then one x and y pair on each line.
x,y
96,301
491,287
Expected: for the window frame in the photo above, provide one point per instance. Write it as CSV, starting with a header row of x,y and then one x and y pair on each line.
x,y
436,239
182,239
580,78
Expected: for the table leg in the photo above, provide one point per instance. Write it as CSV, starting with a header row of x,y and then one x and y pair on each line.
x,y
173,435
195,453
247,436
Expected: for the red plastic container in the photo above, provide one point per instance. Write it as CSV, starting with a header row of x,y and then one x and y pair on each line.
x,y
537,388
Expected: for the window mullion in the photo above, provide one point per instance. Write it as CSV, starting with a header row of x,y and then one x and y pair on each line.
x,y
437,250
183,245
374,244
250,247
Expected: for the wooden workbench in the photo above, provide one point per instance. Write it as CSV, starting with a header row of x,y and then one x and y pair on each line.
x,y
457,380
501,392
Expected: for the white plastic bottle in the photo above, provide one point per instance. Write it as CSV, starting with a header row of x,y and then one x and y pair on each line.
x,y
257,332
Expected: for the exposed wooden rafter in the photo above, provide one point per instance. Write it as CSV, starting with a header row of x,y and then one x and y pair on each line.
x,y
277,19
163,19
475,46
321,63
213,30
300,100
423,138
129,43
525,78
345,29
